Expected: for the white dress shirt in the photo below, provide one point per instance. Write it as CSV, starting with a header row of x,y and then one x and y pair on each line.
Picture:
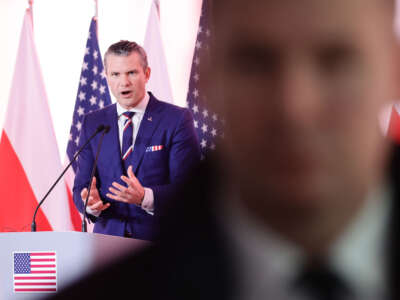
x,y
268,265
139,110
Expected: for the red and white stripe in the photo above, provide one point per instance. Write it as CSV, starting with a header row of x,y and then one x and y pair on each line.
x,y
156,148
127,153
128,122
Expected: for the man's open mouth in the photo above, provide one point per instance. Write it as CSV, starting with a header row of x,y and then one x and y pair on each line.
x,y
125,93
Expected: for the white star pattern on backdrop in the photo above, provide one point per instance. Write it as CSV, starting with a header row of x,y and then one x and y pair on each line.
x,y
93,91
102,89
93,100
83,81
82,96
94,85
203,143
81,111
84,66
204,128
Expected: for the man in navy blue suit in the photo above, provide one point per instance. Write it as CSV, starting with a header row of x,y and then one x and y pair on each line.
x,y
151,147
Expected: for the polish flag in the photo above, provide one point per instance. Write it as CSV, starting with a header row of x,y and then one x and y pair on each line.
x,y
29,157
159,83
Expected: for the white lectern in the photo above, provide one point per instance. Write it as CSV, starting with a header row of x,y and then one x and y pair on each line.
x,y
33,264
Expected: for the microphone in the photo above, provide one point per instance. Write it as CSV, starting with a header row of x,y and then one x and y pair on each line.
x,y
99,129
84,215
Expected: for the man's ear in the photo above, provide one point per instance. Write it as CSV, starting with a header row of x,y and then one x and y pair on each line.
x,y
106,73
147,73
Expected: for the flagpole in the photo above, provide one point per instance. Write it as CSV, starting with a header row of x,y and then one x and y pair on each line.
x,y
157,3
96,15
30,9
96,9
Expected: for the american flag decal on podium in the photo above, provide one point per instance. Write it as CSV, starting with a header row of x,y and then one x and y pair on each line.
x,y
35,272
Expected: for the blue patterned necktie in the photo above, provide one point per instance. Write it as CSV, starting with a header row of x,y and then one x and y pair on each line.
x,y
127,138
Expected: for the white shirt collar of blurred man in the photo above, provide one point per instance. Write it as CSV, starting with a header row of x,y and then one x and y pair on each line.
x,y
268,264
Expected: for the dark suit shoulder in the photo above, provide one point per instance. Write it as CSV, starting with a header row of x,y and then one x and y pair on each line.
x,y
101,112
167,107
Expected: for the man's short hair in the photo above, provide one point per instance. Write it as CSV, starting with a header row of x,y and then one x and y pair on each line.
x,y
125,48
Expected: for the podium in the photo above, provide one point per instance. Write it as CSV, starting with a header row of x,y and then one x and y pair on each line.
x,y
34,264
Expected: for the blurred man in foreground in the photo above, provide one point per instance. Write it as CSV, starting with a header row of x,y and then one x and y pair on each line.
x,y
300,204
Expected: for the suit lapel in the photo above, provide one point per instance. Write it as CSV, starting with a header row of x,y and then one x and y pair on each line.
x,y
147,127
111,141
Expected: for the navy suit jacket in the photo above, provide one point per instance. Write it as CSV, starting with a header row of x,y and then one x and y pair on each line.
x,y
163,170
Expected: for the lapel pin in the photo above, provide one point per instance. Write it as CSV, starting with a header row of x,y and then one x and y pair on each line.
x,y
150,119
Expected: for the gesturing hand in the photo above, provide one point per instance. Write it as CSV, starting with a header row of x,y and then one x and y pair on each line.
x,y
94,201
133,193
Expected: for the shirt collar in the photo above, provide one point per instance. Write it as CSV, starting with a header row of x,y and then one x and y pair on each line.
x,y
266,261
262,253
140,108
359,254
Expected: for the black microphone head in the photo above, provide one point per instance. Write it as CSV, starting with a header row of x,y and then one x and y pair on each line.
x,y
106,128
100,128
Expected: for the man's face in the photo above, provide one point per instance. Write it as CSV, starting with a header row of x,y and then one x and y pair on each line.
x,y
302,83
127,79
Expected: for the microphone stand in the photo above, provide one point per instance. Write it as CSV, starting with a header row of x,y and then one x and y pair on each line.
x,y
84,217
100,128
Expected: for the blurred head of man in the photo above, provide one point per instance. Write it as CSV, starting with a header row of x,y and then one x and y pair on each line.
x,y
127,72
300,84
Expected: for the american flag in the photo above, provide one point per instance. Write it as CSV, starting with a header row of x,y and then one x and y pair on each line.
x,y
93,91
35,272
207,123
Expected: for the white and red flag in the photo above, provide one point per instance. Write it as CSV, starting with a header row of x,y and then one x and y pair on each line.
x,y
29,157
159,82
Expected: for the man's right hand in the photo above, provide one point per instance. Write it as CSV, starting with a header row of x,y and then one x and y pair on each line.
x,y
94,202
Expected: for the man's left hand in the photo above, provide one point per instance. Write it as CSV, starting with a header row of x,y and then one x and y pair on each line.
x,y
133,193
